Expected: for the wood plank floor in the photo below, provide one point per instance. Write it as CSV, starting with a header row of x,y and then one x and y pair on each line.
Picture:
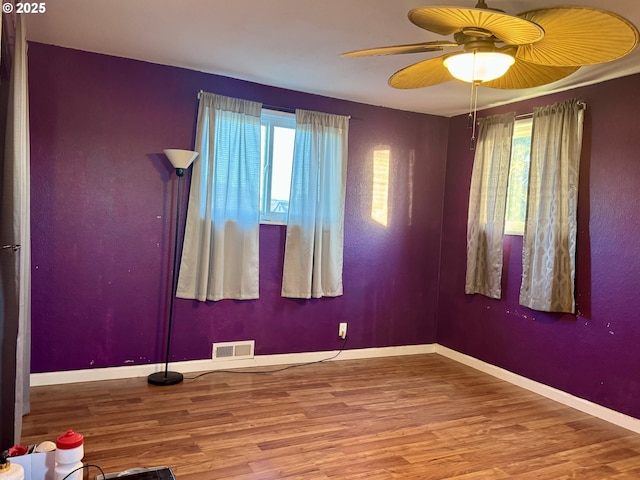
x,y
415,417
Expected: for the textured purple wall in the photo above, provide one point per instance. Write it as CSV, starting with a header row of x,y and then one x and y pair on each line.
x,y
593,354
102,215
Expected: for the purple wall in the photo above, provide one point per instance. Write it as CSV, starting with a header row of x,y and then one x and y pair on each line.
x,y
102,194
593,354
102,214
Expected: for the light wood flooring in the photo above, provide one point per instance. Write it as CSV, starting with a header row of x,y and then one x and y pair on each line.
x,y
414,417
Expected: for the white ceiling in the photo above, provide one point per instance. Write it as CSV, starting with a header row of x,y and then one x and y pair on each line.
x,y
296,44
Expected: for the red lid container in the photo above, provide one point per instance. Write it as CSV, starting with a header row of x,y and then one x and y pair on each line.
x,y
69,440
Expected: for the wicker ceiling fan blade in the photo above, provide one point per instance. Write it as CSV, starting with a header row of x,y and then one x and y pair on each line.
x,y
576,36
523,74
450,20
422,74
421,47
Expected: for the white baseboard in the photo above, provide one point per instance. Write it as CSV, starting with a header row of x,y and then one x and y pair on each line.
x,y
132,371
559,396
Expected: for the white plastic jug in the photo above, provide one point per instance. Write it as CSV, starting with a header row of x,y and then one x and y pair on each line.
x,y
69,453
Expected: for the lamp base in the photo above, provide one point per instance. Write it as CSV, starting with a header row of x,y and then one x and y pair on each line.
x,y
165,378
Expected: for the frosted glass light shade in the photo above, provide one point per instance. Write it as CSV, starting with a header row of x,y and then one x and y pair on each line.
x,y
478,66
180,158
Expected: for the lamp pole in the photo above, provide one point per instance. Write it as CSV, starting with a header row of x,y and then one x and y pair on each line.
x,y
181,159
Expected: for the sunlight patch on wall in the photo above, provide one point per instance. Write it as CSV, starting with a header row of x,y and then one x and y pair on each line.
x,y
380,187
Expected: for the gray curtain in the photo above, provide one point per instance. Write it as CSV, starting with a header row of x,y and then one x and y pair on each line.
x,y
487,204
549,243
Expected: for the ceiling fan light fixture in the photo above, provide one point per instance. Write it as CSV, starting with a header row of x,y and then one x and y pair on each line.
x,y
478,66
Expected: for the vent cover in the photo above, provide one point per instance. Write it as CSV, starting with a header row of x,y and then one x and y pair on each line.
x,y
233,350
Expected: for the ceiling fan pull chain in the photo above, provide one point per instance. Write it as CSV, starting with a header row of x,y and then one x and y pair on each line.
x,y
470,117
473,107
474,87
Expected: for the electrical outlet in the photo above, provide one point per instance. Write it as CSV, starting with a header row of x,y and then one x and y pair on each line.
x,y
342,330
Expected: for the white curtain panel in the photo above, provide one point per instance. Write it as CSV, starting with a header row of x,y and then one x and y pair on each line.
x,y
549,244
487,205
220,249
315,227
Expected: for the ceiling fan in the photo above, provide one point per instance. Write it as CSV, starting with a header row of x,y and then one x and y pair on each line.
x,y
498,50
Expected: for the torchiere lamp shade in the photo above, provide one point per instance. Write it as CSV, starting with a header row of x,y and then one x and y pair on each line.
x,y
180,159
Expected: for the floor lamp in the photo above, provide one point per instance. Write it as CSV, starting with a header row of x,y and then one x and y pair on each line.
x,y
180,159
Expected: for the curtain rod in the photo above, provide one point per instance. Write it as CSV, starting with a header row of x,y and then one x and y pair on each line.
x,y
582,105
268,107
280,108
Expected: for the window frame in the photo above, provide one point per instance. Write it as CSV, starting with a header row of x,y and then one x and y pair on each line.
x,y
270,119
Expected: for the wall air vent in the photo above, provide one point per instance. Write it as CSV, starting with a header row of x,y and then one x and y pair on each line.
x,y
233,350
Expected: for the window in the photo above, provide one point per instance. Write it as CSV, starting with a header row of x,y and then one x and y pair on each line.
x,y
518,178
277,134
